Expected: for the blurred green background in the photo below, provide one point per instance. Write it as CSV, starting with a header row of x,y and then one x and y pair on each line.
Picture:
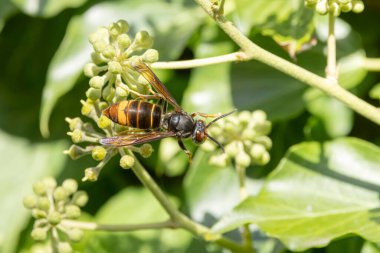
x,y
44,46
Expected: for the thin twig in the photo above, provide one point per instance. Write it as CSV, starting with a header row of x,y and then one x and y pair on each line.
x,y
371,64
331,69
186,64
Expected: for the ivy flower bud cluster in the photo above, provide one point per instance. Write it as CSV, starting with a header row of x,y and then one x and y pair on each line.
x,y
112,79
51,205
335,6
244,137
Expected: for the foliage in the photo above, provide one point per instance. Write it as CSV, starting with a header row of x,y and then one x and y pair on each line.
x,y
318,190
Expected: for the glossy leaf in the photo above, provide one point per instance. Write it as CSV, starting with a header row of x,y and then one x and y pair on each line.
x,y
22,164
136,206
209,89
319,191
46,8
257,86
288,22
205,185
171,25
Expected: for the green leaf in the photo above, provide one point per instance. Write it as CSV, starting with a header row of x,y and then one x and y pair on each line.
x,y
257,86
171,25
209,89
337,118
206,185
319,191
6,9
136,206
23,164
46,8
288,22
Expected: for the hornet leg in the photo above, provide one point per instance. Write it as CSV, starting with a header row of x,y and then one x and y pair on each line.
x,y
187,152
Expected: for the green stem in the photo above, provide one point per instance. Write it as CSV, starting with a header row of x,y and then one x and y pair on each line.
x,y
233,57
331,70
176,216
123,228
245,233
253,51
371,64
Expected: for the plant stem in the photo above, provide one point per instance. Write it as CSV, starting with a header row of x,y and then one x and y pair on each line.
x,y
371,64
176,216
255,52
331,70
245,233
123,228
233,57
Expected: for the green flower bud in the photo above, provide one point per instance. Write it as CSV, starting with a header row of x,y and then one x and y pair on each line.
x,y
109,52
75,123
232,148
104,122
322,8
265,141
259,116
123,26
127,161
248,134
98,153
38,214
60,193
91,174
108,93
39,234
75,234
50,182
245,117
87,108
43,203
264,159
75,152
219,160
143,40
76,135
357,6
97,58
114,67
208,146
146,150
335,9
343,1
99,46
72,211
90,69
123,41
93,94
30,201
150,55
256,151
97,82
346,7
80,198
70,185
114,30
242,159
64,247
39,188
142,80
54,218
121,93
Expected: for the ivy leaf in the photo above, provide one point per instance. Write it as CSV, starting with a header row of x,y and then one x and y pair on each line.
x,y
23,164
288,22
257,86
319,192
171,25
136,206
46,8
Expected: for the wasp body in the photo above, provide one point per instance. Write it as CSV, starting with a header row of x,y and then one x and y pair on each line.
x,y
154,118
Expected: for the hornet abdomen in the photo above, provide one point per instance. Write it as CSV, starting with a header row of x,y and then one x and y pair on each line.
x,y
133,113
